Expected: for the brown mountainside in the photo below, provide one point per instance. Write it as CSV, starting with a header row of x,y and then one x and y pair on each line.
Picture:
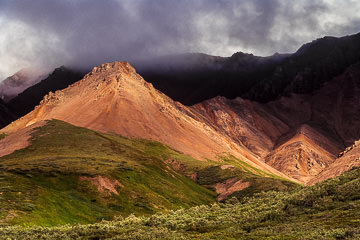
x,y
300,135
346,161
287,144
114,98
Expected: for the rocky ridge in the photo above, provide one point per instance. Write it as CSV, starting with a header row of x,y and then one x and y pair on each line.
x,y
114,98
299,135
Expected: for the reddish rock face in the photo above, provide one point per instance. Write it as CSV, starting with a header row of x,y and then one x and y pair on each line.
x,y
332,120
114,98
229,186
278,133
103,184
298,136
348,160
18,140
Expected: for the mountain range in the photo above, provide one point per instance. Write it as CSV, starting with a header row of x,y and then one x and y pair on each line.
x,y
188,130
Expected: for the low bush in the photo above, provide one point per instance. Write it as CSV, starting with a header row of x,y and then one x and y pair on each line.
x,y
315,212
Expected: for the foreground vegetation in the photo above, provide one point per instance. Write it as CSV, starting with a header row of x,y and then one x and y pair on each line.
x,y
329,210
49,182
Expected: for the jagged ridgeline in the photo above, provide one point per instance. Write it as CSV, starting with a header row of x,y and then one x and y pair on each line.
x,y
193,78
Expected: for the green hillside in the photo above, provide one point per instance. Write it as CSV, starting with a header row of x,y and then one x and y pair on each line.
x,y
74,175
328,210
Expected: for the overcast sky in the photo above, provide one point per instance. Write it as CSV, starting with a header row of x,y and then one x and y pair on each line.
x,y
83,33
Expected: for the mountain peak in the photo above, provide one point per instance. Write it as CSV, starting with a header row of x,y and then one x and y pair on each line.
x,y
113,98
103,80
110,68
123,66
242,55
117,72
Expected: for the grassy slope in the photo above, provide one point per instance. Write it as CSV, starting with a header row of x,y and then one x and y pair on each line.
x,y
40,184
259,180
329,210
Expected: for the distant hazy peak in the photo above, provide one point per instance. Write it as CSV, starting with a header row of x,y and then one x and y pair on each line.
x,y
15,84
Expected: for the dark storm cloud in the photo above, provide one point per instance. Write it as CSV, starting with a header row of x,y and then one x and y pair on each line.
x,y
47,33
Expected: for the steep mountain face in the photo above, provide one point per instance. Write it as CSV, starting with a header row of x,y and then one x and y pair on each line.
x,y
15,84
304,154
114,98
59,79
193,78
309,68
340,109
289,144
347,160
300,135
245,122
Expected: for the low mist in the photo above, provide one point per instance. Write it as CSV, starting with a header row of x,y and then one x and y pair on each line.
x,y
80,34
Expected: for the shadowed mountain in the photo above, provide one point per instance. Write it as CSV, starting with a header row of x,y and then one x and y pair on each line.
x,y
5,114
192,78
299,135
309,68
289,145
59,79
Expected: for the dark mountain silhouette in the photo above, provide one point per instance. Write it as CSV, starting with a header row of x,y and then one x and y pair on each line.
x,y
5,114
192,78
307,69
